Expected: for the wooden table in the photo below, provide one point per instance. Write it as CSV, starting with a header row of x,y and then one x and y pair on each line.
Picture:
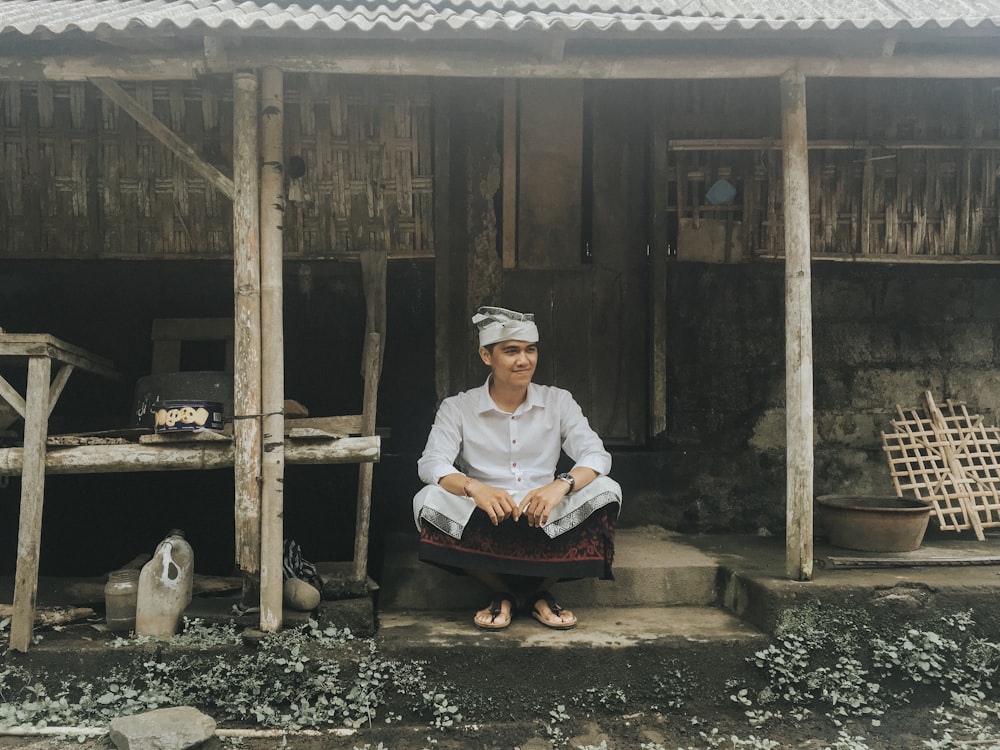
x,y
39,351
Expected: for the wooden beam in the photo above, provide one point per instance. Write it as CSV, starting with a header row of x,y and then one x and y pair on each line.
x,y
246,331
113,459
165,135
508,231
798,330
510,64
515,64
272,208
863,144
120,67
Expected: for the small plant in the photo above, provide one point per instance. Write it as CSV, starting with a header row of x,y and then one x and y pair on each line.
x,y
287,681
553,728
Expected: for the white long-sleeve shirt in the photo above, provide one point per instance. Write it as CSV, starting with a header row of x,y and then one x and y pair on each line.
x,y
513,451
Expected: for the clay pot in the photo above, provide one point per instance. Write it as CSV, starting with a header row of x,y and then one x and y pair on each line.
x,y
874,524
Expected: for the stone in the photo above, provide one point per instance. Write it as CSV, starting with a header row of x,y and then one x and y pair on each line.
x,y
162,729
591,735
301,595
536,743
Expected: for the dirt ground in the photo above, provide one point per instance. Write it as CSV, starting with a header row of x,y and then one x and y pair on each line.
x,y
906,729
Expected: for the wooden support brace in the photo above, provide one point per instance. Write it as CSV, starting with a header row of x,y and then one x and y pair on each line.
x,y
58,383
11,396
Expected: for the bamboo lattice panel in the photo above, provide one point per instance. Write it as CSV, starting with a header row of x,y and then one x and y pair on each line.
x,y
949,458
80,179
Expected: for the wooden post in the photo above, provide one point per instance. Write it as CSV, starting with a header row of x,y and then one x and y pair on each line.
x,y
29,530
272,206
372,370
798,329
246,342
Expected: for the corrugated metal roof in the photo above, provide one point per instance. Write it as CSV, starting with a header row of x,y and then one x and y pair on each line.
x,y
61,16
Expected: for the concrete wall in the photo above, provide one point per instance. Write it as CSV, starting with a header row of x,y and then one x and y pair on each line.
x,y
883,334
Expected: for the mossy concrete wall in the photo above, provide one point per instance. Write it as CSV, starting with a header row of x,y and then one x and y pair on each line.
x,y
882,335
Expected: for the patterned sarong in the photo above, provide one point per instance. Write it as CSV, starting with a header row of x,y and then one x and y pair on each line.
x,y
517,549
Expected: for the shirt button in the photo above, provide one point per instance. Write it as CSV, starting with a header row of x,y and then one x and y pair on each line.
x,y
514,464
514,442
519,479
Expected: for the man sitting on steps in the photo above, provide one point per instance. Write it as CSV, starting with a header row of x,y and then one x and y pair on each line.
x,y
493,506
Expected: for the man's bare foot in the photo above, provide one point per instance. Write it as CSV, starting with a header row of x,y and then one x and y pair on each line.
x,y
551,615
498,614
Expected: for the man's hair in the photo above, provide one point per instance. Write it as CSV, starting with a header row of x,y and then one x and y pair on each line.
x,y
492,347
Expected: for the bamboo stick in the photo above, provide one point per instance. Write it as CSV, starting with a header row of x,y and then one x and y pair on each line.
x,y
272,200
246,331
798,330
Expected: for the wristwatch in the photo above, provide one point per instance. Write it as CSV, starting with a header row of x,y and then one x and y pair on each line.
x,y
568,478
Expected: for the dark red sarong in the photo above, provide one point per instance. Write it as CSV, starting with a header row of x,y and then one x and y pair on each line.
x,y
517,549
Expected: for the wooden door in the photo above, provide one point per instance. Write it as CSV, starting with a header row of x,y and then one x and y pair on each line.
x,y
582,261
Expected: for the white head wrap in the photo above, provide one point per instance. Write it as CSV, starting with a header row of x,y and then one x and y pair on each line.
x,y
497,324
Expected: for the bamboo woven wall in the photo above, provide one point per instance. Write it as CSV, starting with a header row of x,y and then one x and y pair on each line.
x,y
80,179
911,171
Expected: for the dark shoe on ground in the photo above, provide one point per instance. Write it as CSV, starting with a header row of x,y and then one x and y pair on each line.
x,y
554,617
497,619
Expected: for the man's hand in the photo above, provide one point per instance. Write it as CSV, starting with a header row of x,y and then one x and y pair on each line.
x,y
538,503
496,503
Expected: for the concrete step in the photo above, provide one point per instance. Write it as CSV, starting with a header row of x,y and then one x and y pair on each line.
x,y
617,658
652,569
598,627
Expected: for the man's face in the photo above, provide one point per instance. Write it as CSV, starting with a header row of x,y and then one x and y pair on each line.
x,y
513,362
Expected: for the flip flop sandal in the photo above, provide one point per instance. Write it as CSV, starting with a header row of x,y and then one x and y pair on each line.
x,y
557,624
496,609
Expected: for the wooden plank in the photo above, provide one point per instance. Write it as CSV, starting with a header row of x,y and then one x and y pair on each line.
x,y
62,441
246,330
185,436
166,136
310,433
272,205
615,306
48,616
112,459
45,345
550,177
798,330
846,562
342,425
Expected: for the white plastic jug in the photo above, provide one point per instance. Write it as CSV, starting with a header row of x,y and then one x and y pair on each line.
x,y
165,587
